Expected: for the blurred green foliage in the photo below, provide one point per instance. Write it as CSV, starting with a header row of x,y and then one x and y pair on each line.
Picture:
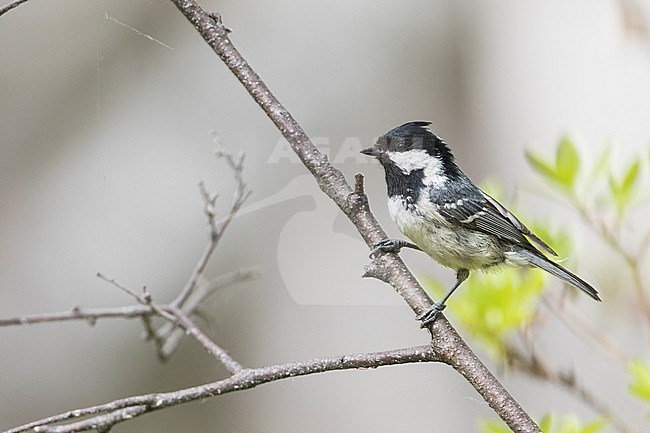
x,y
564,170
622,191
601,182
493,307
548,424
640,384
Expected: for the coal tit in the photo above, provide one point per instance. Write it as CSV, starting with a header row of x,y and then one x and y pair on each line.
x,y
448,217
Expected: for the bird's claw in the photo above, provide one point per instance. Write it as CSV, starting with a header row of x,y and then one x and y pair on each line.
x,y
391,246
430,316
385,246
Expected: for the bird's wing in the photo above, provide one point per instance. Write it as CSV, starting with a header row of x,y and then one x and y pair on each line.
x,y
518,224
478,211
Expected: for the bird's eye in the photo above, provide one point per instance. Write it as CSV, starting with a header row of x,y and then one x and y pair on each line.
x,y
402,145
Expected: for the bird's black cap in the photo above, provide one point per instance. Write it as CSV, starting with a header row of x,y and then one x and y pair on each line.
x,y
415,128
413,136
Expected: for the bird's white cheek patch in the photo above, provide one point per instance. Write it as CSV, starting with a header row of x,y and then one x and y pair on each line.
x,y
410,160
419,159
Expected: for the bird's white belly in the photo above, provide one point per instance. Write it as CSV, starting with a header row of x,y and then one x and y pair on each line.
x,y
453,247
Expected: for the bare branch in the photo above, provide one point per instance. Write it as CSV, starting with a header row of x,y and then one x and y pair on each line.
x,y
144,299
581,327
209,208
102,423
109,414
175,316
632,259
125,289
10,6
147,323
171,334
446,341
217,228
77,313
91,315
221,354
535,366
178,323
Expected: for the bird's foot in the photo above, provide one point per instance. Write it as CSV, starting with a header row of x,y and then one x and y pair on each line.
x,y
390,246
428,317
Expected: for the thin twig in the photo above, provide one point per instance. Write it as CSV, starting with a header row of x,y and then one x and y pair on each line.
x,y
171,334
217,228
144,312
77,313
580,326
218,352
531,364
91,315
143,299
176,316
209,202
147,323
10,6
594,220
102,423
104,414
125,289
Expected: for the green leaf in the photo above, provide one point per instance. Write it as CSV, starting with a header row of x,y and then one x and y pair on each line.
x,y
567,162
542,167
640,375
564,171
623,191
632,175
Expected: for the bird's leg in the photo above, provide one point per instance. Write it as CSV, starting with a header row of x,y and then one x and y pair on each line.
x,y
429,317
391,246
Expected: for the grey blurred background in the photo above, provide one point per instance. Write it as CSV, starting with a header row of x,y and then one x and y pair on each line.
x,y
104,135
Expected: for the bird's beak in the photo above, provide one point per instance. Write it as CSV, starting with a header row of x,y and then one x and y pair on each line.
x,y
371,151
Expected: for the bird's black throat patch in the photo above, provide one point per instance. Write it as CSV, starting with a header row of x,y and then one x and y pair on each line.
x,y
406,186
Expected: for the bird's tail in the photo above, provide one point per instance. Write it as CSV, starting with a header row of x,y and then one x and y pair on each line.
x,y
557,270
